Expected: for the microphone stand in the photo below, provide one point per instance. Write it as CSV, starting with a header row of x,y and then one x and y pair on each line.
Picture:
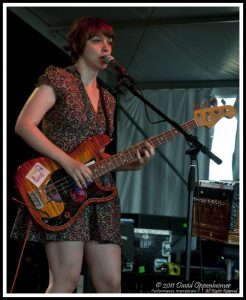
x,y
193,151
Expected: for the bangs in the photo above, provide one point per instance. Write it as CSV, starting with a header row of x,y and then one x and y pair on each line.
x,y
100,28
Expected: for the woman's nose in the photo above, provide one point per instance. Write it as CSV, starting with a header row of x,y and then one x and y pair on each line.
x,y
106,45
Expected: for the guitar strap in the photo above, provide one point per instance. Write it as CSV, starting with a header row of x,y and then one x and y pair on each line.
x,y
104,110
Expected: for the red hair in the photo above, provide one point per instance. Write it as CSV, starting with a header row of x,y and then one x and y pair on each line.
x,y
85,28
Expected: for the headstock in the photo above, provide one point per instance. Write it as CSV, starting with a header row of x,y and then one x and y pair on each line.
x,y
210,116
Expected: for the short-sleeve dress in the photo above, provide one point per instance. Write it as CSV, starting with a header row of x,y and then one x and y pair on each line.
x,y
68,123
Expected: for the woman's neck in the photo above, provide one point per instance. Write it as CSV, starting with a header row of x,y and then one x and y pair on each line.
x,y
88,76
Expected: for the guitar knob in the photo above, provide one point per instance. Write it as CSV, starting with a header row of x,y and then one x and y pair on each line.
x,y
67,215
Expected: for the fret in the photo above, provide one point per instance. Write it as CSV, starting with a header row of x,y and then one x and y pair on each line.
x,y
125,156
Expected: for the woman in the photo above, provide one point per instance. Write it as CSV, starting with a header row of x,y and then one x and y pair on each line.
x,y
70,106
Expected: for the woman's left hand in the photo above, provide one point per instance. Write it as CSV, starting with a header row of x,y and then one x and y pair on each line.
x,y
141,159
148,154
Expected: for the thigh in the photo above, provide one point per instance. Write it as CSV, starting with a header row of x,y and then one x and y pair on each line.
x,y
64,256
103,259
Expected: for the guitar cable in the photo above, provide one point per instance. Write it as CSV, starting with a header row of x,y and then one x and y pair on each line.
x,y
29,206
22,251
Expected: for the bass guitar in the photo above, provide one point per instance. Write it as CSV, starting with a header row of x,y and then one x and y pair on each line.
x,y
51,195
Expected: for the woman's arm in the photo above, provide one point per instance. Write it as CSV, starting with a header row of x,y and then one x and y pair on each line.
x,y
37,105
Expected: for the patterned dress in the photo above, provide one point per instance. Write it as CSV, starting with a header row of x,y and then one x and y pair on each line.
x,y
69,122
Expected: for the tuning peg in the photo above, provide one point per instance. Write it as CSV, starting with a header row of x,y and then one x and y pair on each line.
x,y
213,102
196,106
223,102
205,103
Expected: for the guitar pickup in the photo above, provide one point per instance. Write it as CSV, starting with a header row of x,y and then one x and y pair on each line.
x,y
35,200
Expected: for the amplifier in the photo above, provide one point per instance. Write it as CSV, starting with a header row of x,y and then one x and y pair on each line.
x,y
152,249
215,211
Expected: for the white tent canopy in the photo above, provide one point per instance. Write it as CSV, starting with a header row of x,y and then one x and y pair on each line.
x,y
179,56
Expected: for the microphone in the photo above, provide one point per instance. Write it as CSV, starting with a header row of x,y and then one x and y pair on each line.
x,y
110,60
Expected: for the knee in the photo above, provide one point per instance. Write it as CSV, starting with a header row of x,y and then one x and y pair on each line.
x,y
114,284
71,283
65,283
108,283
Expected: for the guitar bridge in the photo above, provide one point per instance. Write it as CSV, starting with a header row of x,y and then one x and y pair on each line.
x,y
35,200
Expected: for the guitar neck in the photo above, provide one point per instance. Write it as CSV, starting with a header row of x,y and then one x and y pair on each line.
x,y
122,158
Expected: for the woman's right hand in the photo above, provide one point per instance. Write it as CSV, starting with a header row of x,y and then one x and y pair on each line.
x,y
78,171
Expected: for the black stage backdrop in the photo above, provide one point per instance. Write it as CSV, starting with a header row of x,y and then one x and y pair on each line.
x,y
28,55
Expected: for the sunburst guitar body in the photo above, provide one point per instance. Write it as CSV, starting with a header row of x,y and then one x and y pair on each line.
x,y
51,195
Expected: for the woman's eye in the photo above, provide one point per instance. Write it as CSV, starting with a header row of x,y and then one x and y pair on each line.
x,y
96,39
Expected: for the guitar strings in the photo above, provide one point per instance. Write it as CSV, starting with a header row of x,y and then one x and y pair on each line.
x,y
58,186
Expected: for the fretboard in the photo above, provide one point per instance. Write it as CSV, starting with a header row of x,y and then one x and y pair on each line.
x,y
122,158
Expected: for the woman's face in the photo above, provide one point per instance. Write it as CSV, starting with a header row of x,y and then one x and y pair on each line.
x,y
95,49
